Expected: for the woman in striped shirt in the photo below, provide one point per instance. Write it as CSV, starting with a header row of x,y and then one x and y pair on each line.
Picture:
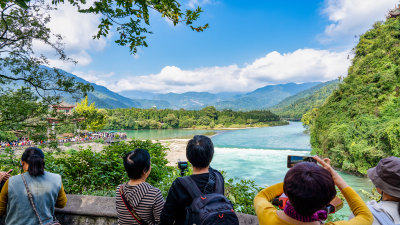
x,y
138,202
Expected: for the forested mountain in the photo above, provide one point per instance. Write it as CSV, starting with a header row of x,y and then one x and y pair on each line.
x,y
265,97
294,107
360,122
261,98
189,100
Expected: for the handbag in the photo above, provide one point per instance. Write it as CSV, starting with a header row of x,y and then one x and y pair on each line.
x,y
130,208
55,222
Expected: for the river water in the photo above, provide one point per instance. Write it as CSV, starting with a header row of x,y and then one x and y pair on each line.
x,y
259,154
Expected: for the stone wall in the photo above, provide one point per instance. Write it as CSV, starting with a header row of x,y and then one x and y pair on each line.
x,y
90,210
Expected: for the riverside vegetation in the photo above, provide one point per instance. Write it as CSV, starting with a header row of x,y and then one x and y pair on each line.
x,y
99,173
208,117
360,122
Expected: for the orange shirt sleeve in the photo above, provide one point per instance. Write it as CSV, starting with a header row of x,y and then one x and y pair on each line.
x,y
362,215
265,211
4,199
62,198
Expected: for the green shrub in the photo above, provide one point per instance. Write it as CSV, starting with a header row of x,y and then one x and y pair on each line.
x,y
68,144
99,173
101,141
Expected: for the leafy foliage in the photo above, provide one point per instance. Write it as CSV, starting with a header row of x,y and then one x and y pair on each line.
x,y
21,112
359,124
132,18
93,119
241,193
99,173
167,118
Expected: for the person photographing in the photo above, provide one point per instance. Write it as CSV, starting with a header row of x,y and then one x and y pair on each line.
x,y
310,188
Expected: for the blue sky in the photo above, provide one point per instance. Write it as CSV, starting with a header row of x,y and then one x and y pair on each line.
x,y
249,44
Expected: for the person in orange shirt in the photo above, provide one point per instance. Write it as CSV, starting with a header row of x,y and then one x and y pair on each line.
x,y
310,188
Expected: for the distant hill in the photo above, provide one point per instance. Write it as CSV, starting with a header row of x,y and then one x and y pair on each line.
x,y
261,98
265,97
296,106
103,97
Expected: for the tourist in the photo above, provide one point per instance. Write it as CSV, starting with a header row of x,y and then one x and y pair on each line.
x,y
137,200
386,178
46,188
199,152
310,188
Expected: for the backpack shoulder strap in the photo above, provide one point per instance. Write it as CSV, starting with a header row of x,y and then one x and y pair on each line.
x,y
219,183
381,216
190,186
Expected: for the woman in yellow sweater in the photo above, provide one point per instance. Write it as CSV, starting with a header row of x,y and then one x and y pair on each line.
x,y
309,188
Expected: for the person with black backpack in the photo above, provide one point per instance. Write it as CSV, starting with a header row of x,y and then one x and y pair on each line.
x,y
199,198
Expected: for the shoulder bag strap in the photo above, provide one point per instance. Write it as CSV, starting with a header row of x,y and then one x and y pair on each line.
x,y
129,207
190,186
210,186
31,199
381,216
219,186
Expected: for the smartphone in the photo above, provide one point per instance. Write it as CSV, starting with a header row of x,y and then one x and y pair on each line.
x,y
294,159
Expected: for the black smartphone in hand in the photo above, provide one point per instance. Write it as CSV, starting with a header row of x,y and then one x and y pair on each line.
x,y
294,159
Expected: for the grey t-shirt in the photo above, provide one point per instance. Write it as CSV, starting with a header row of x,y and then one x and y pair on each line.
x,y
388,207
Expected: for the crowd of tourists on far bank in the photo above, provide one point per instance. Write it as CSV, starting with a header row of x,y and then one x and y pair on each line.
x,y
30,198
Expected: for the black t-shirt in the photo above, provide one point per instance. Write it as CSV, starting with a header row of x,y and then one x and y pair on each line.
x,y
174,211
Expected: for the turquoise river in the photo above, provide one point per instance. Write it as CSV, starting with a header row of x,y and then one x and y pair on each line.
x,y
259,154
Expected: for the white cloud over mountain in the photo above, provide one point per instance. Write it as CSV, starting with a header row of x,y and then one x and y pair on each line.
x,y
302,65
350,18
77,30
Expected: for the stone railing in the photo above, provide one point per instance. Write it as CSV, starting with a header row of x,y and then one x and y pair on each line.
x,y
88,210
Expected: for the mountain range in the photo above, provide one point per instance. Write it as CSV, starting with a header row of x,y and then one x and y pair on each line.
x,y
280,98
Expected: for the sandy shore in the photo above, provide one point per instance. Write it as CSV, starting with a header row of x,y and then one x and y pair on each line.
x,y
176,153
177,150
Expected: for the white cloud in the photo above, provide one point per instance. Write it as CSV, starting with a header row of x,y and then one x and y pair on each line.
x,y
353,17
302,65
94,76
77,30
195,3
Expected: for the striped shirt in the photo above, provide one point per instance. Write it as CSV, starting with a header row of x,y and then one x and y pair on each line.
x,y
146,200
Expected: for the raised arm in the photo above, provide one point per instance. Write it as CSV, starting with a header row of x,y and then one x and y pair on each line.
x,y
262,202
360,210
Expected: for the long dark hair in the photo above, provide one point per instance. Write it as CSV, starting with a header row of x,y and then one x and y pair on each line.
x,y
35,158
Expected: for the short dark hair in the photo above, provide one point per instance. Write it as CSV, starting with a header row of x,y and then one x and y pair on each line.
x,y
309,187
35,159
136,163
200,151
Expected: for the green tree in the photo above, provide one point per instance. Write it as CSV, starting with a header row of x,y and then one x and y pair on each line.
x,y
131,19
22,114
93,119
19,63
171,120
359,123
211,112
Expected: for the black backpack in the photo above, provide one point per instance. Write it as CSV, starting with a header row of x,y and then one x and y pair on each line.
x,y
209,209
